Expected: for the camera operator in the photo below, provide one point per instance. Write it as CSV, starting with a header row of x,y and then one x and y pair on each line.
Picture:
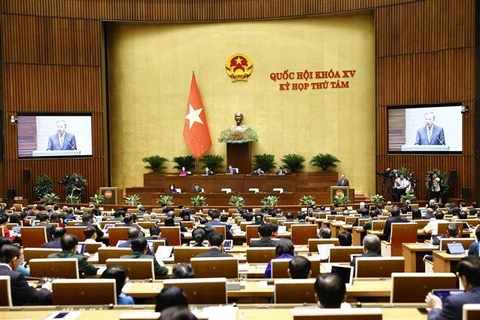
x,y
412,183
401,185
434,186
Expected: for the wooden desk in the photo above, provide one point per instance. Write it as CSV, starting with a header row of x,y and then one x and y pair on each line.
x,y
250,312
414,253
445,262
358,233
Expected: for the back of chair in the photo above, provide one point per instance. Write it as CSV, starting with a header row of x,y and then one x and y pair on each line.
x,y
312,243
157,243
471,312
117,233
78,231
172,234
188,224
38,253
337,314
54,268
221,229
92,248
280,268
111,252
294,291
33,237
5,292
138,269
252,232
402,233
443,226
103,223
215,267
302,232
378,224
146,224
201,291
260,255
421,223
84,292
184,254
243,226
342,254
413,287
466,242
73,222
382,267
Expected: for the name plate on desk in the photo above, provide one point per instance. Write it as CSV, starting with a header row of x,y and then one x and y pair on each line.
x,y
425,148
56,153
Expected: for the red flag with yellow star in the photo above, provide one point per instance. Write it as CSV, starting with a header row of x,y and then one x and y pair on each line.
x,y
195,131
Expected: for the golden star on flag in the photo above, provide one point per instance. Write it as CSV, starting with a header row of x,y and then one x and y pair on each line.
x,y
193,116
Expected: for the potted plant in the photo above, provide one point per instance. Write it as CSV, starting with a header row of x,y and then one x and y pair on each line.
x,y
340,199
325,161
165,200
270,201
199,201
71,198
187,162
98,199
212,161
43,185
236,201
293,162
266,162
155,163
377,199
132,200
51,198
307,200
409,196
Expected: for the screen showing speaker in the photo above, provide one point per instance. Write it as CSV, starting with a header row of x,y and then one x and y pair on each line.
x,y
425,128
54,135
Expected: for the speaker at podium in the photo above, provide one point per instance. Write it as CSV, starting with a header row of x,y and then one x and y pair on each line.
x,y
113,195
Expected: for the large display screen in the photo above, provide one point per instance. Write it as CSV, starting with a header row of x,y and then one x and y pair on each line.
x,y
425,128
54,135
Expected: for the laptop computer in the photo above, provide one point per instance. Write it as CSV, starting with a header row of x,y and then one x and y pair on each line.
x,y
80,247
345,273
16,229
455,248
227,245
107,226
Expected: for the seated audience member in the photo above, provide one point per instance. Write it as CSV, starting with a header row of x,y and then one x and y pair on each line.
x,y
69,248
87,220
22,293
177,313
155,234
215,240
6,231
55,218
44,222
371,248
132,233
345,239
274,227
473,249
196,188
281,171
90,235
364,215
301,216
215,215
182,271
429,214
325,233
373,216
452,232
120,274
432,226
183,172
118,215
394,218
468,270
21,269
258,219
57,238
258,172
299,267
330,291
172,189
199,235
283,250
170,297
265,232
139,251
289,217
416,214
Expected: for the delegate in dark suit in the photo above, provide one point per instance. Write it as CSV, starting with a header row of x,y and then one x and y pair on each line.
x,y
219,223
157,268
437,136
393,219
55,244
22,292
97,229
213,253
83,266
365,255
263,242
69,142
452,306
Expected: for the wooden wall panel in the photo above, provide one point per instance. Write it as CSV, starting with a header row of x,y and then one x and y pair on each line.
x,y
52,56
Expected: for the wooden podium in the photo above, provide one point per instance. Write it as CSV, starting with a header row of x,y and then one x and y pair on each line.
x,y
113,195
239,155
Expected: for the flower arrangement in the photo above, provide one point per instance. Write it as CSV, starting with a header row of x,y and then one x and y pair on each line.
x,y
377,199
307,200
199,201
340,199
236,201
238,136
132,200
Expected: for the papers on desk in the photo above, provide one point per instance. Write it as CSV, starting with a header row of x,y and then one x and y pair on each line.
x,y
240,233
282,229
324,250
243,267
217,313
163,252
264,284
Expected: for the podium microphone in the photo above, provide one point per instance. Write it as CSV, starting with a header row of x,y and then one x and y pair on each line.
x,y
441,142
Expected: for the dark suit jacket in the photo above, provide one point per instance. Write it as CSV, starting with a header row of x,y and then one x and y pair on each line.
x,y
55,244
22,293
365,255
263,242
452,306
213,253
49,228
97,229
83,266
157,268
343,182
388,225
219,223
473,249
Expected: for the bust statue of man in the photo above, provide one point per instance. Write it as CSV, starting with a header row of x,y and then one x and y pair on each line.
x,y
238,120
